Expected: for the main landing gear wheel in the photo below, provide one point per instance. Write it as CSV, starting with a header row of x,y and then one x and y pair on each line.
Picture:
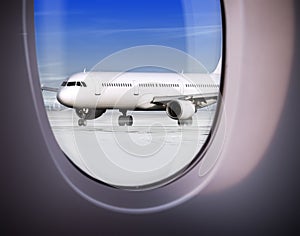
x,y
187,122
125,120
130,121
82,122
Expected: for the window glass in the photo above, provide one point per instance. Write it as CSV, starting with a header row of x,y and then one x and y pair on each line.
x,y
71,84
141,121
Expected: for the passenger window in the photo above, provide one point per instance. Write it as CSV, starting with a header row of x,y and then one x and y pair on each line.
x,y
134,137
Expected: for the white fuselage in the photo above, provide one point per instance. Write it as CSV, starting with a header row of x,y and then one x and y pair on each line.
x,y
131,90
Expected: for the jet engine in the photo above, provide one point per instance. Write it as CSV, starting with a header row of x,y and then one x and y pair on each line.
x,y
180,109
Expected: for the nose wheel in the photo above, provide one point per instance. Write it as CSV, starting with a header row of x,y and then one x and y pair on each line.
x,y
82,113
82,122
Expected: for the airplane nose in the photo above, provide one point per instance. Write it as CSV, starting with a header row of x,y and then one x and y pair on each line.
x,y
65,98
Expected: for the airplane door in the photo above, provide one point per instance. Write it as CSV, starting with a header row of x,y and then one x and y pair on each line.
x,y
181,86
98,87
135,88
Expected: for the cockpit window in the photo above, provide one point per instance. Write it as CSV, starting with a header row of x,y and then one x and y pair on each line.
x,y
153,84
69,84
73,83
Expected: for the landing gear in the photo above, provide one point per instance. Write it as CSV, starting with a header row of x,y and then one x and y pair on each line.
x,y
124,119
82,113
187,122
88,114
82,122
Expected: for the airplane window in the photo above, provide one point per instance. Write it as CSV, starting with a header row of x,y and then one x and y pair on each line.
x,y
71,84
130,138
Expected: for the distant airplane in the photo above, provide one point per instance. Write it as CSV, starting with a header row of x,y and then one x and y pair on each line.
x,y
92,93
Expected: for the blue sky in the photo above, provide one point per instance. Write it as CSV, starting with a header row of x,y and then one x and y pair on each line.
x,y
73,35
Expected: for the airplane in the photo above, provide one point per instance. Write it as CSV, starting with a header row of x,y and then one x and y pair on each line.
x,y
179,94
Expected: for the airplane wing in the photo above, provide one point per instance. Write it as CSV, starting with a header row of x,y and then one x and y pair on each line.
x,y
49,89
200,100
